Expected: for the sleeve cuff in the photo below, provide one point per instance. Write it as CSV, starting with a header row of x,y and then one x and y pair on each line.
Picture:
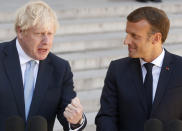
x,y
77,126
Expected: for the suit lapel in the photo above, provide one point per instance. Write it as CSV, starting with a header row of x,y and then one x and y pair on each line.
x,y
138,80
44,73
13,70
164,78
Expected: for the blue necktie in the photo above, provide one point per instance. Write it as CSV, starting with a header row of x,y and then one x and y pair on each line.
x,y
28,85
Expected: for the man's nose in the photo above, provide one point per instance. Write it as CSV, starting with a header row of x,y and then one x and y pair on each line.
x,y
45,39
127,40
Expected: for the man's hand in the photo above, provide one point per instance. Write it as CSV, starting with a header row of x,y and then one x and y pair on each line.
x,y
74,111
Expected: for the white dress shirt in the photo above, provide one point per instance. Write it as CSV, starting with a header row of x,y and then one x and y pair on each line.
x,y
24,58
155,70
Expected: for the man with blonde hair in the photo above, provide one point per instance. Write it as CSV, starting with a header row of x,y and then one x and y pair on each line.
x,y
35,82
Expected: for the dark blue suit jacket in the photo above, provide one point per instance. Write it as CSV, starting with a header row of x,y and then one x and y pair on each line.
x,y
123,106
53,89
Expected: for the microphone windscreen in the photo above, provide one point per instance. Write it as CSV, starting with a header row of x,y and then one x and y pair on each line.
x,y
153,125
14,123
37,123
174,125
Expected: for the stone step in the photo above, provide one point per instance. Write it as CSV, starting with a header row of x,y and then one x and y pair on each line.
x,y
117,8
91,120
90,99
89,80
87,42
89,8
86,26
94,79
94,41
90,127
93,59
99,25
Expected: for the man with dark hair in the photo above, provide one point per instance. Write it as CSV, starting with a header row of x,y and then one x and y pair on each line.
x,y
148,83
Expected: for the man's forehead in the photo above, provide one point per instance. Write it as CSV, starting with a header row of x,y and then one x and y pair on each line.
x,y
142,24
43,27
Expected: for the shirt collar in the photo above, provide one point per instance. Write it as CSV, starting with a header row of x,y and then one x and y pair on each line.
x,y
24,58
157,62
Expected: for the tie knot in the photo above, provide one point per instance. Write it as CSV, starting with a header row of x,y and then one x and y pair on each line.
x,y
31,63
148,66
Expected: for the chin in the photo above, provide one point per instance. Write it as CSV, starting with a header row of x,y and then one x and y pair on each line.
x,y
130,55
41,57
133,56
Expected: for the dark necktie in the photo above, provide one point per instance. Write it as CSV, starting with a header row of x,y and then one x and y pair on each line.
x,y
148,87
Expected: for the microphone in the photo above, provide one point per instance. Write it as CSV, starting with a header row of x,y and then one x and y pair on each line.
x,y
37,123
153,125
174,125
14,123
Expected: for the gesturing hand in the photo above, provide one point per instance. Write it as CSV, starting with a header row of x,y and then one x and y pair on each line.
x,y
74,111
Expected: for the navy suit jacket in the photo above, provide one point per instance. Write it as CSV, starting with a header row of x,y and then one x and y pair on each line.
x,y
53,88
123,107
